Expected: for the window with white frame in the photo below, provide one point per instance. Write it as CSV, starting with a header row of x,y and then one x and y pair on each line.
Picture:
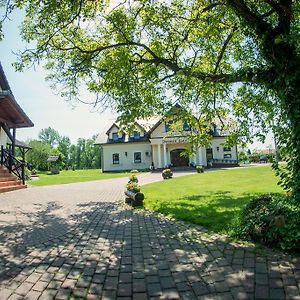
x,y
116,158
226,149
136,135
168,125
137,157
186,126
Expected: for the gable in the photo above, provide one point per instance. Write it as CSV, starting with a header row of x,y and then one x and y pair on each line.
x,y
10,111
112,128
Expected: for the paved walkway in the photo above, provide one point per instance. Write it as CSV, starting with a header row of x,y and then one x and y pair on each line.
x,y
76,241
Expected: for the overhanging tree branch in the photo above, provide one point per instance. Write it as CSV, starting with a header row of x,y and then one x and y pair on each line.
x,y
255,75
222,52
254,20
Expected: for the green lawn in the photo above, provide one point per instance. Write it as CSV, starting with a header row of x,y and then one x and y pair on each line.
x,y
73,176
211,199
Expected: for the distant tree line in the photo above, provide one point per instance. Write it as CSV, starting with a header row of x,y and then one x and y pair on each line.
x,y
82,155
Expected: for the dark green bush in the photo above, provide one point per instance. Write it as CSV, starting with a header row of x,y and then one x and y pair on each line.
x,y
271,219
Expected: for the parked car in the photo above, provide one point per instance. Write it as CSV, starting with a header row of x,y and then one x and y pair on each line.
x,y
263,159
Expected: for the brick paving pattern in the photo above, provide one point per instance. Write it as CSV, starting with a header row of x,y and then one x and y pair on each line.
x,y
77,242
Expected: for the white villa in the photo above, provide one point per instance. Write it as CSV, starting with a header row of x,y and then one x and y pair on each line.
x,y
152,145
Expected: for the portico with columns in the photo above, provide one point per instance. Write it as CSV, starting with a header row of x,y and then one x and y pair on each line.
x,y
167,152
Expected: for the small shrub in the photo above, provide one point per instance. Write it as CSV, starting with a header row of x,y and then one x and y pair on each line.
x,y
33,172
54,171
133,187
271,219
200,169
133,178
27,174
167,173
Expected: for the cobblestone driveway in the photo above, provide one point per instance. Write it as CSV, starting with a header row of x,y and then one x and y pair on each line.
x,y
75,241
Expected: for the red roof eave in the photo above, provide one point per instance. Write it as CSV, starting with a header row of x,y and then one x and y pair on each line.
x,y
11,113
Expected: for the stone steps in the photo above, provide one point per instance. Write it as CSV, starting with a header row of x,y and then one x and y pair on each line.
x,y
5,189
8,182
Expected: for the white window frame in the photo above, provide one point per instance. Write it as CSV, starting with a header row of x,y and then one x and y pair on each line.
x,y
136,135
113,158
114,134
134,161
227,149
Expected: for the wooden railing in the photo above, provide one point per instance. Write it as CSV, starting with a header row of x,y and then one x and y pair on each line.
x,y
12,164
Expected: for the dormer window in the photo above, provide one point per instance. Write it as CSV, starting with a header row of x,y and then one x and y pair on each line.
x,y
186,127
168,126
215,131
115,136
136,135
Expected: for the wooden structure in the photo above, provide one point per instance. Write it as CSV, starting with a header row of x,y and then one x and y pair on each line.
x,y
134,198
53,159
12,117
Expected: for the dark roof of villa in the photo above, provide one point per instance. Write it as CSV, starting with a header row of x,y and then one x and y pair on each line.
x,y
150,124
10,111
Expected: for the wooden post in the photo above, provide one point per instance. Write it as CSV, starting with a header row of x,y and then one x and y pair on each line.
x,y
136,198
23,154
13,143
13,149
2,155
23,173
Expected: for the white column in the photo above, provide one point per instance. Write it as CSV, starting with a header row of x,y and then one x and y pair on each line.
x,y
200,157
159,156
195,158
165,155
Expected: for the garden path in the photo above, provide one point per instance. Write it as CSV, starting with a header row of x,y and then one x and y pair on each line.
x,y
77,241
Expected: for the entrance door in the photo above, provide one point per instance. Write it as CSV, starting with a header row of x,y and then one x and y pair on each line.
x,y
177,160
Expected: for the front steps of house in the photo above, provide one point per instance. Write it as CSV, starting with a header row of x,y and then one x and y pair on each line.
x,y
176,169
8,182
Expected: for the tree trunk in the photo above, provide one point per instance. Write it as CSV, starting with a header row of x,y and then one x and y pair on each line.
x,y
292,102
286,84
288,90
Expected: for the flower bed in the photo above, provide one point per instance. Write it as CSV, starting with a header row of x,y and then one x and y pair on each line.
x,y
134,196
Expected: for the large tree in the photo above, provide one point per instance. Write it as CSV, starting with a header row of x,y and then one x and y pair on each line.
x,y
64,145
38,155
49,136
141,56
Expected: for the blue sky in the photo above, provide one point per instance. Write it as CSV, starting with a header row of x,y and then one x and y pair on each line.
x,y
43,106
39,101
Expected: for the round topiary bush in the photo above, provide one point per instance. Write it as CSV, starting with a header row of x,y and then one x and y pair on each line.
x,y
167,173
271,219
133,178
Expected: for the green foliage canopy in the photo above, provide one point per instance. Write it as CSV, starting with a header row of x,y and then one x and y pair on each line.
x,y
49,136
83,155
142,56
39,154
